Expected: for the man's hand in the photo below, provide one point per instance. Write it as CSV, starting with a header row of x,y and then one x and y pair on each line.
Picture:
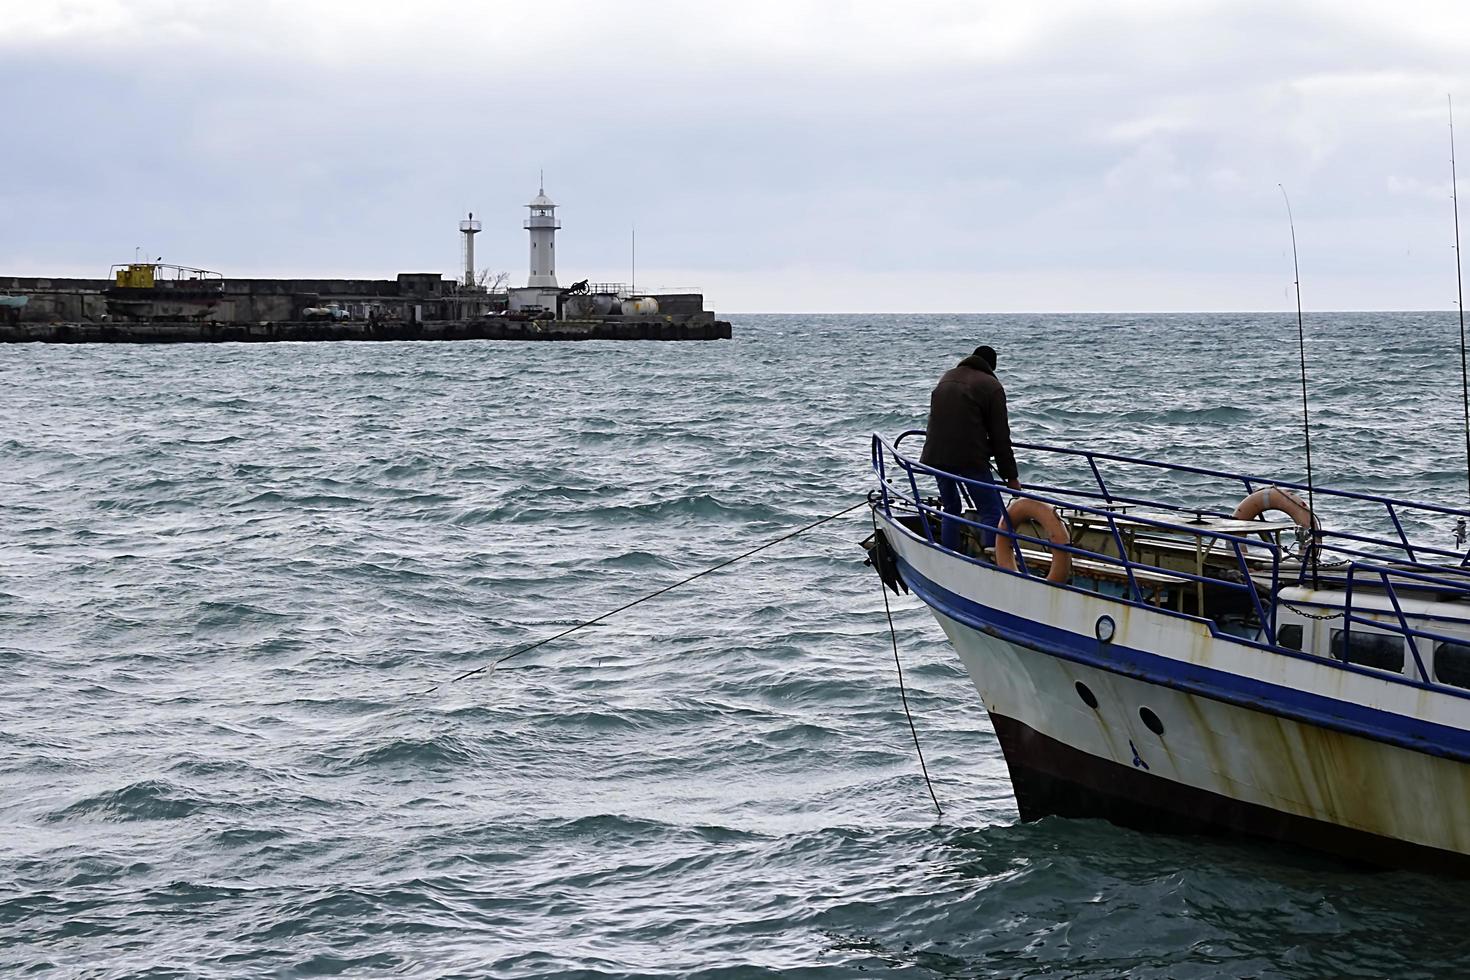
x,y
1014,483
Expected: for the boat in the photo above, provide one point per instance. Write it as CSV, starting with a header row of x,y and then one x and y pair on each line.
x,y
151,291
1206,655
11,307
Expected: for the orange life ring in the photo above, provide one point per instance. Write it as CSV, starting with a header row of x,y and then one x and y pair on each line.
x,y
1025,510
1275,498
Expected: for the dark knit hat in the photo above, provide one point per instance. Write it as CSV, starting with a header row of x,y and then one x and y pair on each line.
x,y
987,354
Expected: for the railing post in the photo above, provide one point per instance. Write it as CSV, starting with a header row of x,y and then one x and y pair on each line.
x,y
1123,557
1404,624
1403,538
1008,529
882,469
1097,475
1275,584
1347,612
919,503
1250,584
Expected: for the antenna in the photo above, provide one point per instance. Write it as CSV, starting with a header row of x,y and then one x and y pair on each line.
x,y
1460,292
633,286
1301,346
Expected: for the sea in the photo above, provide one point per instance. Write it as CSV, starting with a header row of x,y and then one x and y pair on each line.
x,y
237,581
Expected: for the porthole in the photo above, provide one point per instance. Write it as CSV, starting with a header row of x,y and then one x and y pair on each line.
x,y
1105,629
1085,693
1151,720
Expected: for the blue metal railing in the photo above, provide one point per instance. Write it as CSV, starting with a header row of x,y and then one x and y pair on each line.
x,y
1128,567
1395,567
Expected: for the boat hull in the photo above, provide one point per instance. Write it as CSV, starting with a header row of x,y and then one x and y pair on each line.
x,y
1170,727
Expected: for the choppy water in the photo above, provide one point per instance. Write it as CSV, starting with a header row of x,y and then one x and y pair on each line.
x,y
227,573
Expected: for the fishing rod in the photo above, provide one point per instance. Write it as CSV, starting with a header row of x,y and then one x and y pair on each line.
x,y
629,605
1301,346
1460,292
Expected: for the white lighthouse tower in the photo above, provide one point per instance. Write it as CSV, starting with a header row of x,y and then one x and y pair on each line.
x,y
542,224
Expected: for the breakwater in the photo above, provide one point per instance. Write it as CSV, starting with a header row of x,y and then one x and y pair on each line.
x,y
480,328
413,306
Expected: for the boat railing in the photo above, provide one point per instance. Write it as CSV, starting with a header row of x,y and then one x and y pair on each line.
x,y
1129,569
1385,577
1341,558
1394,509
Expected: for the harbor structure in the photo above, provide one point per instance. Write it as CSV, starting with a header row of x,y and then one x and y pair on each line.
x,y
148,302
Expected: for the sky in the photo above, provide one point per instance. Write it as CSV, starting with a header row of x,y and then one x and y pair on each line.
x,y
790,156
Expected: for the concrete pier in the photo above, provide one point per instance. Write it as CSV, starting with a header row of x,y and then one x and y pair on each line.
x,y
480,328
414,306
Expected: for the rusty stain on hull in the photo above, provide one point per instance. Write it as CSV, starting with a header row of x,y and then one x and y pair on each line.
x,y
1053,779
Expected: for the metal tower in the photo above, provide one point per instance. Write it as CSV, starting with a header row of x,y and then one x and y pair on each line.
x,y
469,228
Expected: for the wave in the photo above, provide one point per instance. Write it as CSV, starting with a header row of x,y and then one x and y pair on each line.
x,y
703,506
287,500
148,800
426,753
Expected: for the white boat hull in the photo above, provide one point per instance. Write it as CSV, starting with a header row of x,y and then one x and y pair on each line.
x,y
1289,748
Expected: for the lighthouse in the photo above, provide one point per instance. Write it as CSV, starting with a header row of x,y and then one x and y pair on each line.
x,y
542,224
469,228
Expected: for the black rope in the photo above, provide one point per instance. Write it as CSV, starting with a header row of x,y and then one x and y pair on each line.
x,y
902,692
668,588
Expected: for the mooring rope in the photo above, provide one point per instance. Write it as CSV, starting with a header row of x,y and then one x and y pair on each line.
x,y
902,691
626,606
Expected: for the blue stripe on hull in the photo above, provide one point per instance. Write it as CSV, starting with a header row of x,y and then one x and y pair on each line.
x,y
1302,706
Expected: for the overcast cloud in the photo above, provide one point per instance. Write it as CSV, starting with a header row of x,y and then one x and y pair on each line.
x,y
796,156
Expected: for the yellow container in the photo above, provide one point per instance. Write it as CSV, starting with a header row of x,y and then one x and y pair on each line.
x,y
139,275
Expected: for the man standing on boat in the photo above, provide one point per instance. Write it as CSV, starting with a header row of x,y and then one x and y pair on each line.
x,y
968,425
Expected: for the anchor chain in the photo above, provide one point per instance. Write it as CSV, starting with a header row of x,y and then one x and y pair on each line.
x,y
1308,615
